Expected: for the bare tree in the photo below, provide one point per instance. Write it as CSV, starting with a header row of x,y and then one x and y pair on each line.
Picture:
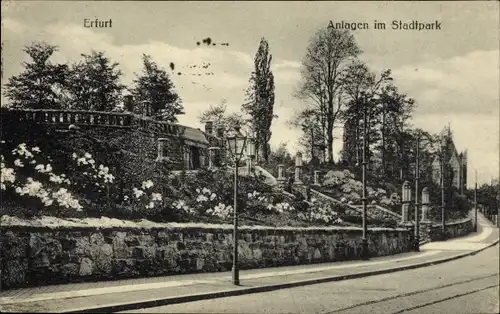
x,y
326,57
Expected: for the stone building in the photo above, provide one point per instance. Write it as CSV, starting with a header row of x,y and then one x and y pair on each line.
x,y
182,147
193,148
186,147
457,161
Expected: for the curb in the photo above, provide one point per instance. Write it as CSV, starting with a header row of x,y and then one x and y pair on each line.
x,y
118,307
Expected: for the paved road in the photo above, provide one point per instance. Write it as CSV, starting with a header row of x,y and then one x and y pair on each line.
x,y
467,285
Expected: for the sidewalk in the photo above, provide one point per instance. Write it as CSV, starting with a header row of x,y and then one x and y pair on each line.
x,y
130,294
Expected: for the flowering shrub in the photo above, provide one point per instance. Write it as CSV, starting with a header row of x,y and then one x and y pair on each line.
x,y
207,202
91,180
144,197
280,207
323,215
221,211
34,182
81,182
341,184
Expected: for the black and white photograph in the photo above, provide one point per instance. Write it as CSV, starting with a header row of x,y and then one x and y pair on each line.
x,y
250,157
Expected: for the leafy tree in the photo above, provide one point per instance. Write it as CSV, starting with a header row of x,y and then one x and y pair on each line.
x,y
281,154
327,54
153,86
312,133
41,84
260,102
488,197
356,83
94,83
396,112
218,115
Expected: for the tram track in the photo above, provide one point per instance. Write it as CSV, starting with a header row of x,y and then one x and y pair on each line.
x,y
399,297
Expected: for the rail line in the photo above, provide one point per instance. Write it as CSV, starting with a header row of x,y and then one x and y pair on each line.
x,y
422,291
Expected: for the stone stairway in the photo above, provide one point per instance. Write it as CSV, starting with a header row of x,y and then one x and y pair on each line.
x,y
373,211
380,211
270,179
327,198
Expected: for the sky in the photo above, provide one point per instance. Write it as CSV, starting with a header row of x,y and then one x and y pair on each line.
x,y
453,74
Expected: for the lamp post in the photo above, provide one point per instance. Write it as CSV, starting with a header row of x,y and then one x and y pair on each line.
x,y
236,144
425,204
405,200
417,174
443,158
250,153
417,178
364,241
475,202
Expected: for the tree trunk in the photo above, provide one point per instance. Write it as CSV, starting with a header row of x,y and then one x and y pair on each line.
x,y
265,151
257,151
401,149
368,153
356,143
330,142
312,144
384,162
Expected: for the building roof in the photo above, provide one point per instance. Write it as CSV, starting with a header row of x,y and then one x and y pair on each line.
x,y
194,137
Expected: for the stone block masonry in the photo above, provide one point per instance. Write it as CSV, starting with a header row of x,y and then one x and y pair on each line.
x,y
38,255
433,231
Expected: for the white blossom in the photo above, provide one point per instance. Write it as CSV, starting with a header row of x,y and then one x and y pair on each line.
x,y
65,199
18,163
81,161
55,178
147,184
138,193
7,175
221,210
156,197
201,198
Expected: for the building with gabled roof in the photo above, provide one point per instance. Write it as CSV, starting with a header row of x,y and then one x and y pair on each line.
x,y
457,161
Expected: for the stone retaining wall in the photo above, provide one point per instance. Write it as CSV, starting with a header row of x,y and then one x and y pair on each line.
x,y
433,232
38,255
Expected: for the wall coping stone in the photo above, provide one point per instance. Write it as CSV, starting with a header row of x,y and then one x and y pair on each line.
x,y
452,223
48,223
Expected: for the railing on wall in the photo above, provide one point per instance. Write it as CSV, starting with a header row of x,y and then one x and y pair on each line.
x,y
92,118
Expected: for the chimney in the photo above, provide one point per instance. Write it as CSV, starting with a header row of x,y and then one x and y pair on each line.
x,y
128,102
220,132
209,127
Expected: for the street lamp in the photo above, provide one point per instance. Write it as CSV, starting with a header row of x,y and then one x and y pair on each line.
x,y
443,158
417,203
405,200
364,241
475,203
236,144
417,175
250,153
